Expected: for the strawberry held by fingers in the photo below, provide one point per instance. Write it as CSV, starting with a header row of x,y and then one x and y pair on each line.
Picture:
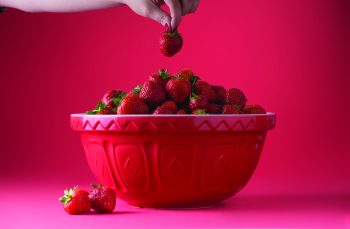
x,y
170,43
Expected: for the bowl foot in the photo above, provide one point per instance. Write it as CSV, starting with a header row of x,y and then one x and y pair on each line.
x,y
176,206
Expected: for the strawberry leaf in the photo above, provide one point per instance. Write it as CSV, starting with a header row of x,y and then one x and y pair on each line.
x,y
117,100
163,74
137,89
96,185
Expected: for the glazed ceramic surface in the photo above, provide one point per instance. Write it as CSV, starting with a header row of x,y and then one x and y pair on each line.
x,y
173,160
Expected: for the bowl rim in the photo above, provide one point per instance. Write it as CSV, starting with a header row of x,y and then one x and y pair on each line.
x,y
171,115
173,122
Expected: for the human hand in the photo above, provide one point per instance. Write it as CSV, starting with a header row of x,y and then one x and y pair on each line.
x,y
151,9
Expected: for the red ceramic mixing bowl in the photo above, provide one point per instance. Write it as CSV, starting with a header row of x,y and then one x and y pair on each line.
x,y
173,160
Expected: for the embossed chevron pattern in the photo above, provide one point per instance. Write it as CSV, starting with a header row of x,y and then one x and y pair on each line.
x,y
172,123
173,161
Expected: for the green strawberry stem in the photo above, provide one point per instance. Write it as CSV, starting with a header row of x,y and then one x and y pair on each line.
x,y
163,73
117,100
99,107
137,89
68,195
96,185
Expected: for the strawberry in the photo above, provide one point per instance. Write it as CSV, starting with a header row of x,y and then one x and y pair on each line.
x,y
213,108
132,104
109,98
152,93
163,110
102,199
178,89
170,43
171,104
197,102
220,94
204,89
76,201
181,111
254,109
199,112
235,97
230,109
161,77
186,74
102,108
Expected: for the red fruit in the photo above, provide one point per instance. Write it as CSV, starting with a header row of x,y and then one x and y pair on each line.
x,y
102,108
163,110
171,104
203,89
181,111
132,104
108,97
213,108
102,199
199,112
254,109
235,97
152,93
170,43
220,94
230,109
186,74
76,201
161,77
178,89
198,102
107,110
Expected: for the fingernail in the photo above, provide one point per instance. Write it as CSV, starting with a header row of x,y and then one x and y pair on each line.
x,y
166,26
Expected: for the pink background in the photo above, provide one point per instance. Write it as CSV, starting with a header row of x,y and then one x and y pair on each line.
x,y
292,57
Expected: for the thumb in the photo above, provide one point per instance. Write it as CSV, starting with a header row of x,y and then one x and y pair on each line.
x,y
158,15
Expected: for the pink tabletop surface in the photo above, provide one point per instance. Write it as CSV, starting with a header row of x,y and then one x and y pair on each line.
x,y
36,206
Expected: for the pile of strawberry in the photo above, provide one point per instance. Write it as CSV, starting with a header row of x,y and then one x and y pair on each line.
x,y
79,201
183,93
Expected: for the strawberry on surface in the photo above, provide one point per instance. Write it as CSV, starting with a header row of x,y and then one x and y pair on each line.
x,y
178,89
203,89
170,43
254,109
152,93
235,97
102,199
132,104
76,201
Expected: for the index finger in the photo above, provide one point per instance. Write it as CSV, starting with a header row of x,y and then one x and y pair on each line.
x,y
175,12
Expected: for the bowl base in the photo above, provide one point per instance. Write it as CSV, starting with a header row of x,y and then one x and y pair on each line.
x,y
201,205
